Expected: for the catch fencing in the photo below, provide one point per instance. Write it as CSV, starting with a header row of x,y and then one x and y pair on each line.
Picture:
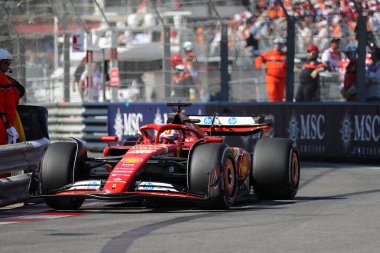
x,y
49,40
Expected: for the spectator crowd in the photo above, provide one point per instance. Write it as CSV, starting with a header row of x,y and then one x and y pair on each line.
x,y
328,26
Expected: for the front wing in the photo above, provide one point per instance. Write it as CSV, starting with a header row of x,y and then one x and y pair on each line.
x,y
91,189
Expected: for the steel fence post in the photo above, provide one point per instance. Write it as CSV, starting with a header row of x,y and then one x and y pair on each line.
x,y
165,61
290,54
362,43
224,75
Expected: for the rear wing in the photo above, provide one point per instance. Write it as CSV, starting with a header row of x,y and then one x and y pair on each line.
x,y
229,125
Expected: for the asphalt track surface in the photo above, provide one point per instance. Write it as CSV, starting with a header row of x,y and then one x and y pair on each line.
x,y
337,209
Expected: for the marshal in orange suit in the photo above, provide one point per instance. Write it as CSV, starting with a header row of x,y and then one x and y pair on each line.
x,y
10,92
275,64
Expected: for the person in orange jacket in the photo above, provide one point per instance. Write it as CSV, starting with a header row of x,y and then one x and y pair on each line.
x,y
275,63
10,93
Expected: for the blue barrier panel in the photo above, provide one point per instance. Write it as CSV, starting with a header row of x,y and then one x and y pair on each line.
x,y
343,131
125,119
332,131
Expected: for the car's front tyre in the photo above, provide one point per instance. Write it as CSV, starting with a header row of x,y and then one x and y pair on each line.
x,y
57,171
213,173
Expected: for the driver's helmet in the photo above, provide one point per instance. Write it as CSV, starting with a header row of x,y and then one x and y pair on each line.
x,y
171,136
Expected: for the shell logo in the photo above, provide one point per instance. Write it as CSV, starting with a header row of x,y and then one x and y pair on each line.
x,y
132,160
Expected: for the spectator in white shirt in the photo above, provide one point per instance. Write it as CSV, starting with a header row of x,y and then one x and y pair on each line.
x,y
332,56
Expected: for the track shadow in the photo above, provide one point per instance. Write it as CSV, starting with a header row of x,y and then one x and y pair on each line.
x,y
338,196
179,207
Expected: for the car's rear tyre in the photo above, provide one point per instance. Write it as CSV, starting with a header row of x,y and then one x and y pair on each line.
x,y
57,170
213,173
275,169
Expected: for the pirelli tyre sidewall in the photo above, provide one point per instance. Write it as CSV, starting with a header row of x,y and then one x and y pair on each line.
x,y
275,169
57,170
213,174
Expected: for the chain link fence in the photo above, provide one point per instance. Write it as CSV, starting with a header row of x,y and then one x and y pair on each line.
x,y
49,39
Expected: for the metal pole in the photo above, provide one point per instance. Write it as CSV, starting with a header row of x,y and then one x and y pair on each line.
x,y
362,43
209,8
166,62
166,57
56,35
224,73
104,75
66,60
224,76
89,83
290,54
100,8
20,56
114,65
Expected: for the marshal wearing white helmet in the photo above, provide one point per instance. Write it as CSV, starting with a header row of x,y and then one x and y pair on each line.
x,y
191,63
188,46
10,92
281,41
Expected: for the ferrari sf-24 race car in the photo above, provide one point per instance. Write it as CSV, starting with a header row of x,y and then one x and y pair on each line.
x,y
185,159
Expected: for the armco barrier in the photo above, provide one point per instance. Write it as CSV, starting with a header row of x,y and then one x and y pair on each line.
x,y
14,189
19,157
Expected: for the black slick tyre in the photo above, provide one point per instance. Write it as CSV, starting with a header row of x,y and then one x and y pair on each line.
x,y
275,169
57,170
213,174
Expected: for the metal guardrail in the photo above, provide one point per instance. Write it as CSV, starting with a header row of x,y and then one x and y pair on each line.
x,y
19,157
14,189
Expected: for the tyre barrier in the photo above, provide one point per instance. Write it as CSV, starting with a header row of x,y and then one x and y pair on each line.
x,y
87,122
19,158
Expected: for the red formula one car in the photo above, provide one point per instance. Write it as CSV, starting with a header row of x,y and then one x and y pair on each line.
x,y
185,159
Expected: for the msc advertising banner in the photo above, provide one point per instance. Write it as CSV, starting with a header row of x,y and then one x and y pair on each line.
x,y
320,130
125,119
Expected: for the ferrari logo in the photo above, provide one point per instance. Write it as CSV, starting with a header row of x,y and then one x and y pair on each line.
x,y
113,186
